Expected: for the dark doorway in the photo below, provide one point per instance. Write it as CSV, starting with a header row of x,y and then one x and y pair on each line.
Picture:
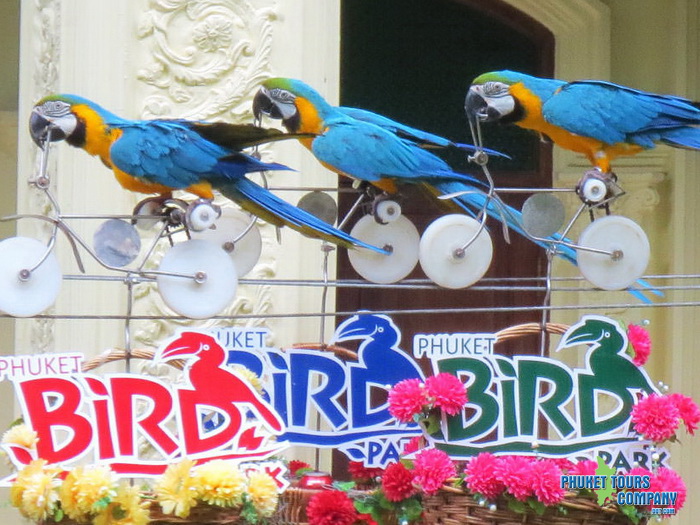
x,y
413,60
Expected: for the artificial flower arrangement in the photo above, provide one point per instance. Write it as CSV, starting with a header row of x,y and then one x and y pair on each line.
x,y
92,494
520,484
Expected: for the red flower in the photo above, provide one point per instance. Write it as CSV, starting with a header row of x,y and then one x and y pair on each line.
x,y
668,480
689,411
481,476
367,519
331,507
656,417
446,392
295,465
641,343
406,399
397,482
546,482
359,472
516,474
431,469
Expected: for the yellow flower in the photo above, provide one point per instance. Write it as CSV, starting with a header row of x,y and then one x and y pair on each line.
x,y
86,491
262,490
20,435
175,490
33,493
126,508
220,483
249,376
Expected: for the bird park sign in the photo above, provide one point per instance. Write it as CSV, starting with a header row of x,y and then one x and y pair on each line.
x,y
303,396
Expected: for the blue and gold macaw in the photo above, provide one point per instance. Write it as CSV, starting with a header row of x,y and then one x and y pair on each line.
x,y
159,156
599,119
373,148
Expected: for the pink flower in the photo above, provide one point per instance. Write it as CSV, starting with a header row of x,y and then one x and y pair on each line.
x,y
563,463
668,480
641,343
689,411
656,417
516,474
397,482
587,467
406,399
481,476
637,473
431,469
413,445
546,482
447,392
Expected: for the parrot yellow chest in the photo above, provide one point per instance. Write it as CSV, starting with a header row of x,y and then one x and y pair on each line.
x,y
597,152
99,138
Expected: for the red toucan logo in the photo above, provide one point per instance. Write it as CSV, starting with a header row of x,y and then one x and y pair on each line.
x,y
216,389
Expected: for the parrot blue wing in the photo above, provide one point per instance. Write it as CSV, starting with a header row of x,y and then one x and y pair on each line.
x,y
614,114
164,152
368,152
420,137
171,153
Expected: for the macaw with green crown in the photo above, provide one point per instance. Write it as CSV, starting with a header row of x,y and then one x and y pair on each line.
x,y
163,155
598,119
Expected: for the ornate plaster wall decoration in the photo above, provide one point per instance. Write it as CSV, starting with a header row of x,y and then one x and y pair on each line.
x,y
206,57
46,53
204,61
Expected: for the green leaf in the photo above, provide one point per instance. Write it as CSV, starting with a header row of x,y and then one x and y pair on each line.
x,y
344,485
432,424
537,506
301,471
118,513
58,514
102,503
248,512
517,506
411,509
631,512
363,506
408,463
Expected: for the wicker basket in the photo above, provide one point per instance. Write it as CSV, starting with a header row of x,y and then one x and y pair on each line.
x,y
451,506
291,509
200,514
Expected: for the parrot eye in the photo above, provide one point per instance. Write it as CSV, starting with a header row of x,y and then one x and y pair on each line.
x,y
56,108
282,95
495,89
205,347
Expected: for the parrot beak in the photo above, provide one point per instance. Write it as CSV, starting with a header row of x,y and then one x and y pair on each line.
x,y
277,104
42,128
187,345
264,105
475,105
484,108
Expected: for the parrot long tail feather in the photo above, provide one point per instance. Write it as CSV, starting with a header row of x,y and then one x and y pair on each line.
x,y
239,136
264,204
473,201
